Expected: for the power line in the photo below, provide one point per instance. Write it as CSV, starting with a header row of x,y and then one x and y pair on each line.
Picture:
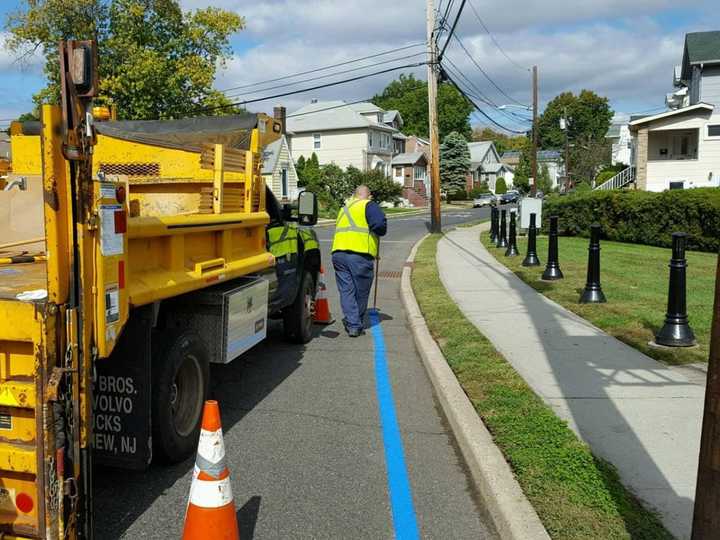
x,y
310,89
482,23
452,29
482,97
485,73
324,68
477,107
334,74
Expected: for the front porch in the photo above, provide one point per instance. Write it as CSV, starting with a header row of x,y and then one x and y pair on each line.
x,y
671,151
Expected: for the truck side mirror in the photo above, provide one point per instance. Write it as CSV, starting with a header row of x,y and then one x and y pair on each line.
x,y
307,208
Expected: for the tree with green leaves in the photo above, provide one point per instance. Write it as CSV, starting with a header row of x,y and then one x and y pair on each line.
x,y
589,116
523,170
500,186
409,96
454,163
544,183
308,171
156,61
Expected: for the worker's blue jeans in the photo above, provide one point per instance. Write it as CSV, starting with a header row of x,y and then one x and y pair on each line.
x,y
354,277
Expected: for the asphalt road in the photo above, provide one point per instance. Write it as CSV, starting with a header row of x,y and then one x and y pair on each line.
x,y
308,441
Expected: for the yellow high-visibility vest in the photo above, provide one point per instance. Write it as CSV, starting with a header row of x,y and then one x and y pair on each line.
x,y
352,232
282,240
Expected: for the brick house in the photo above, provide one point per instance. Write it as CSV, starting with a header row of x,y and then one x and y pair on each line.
x,y
410,170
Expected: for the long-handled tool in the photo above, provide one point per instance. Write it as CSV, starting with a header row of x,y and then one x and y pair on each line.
x,y
377,277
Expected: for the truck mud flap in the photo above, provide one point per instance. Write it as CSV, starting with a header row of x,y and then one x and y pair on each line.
x,y
122,434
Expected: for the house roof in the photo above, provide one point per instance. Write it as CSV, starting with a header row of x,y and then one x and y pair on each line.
x,y
495,167
408,159
390,116
703,47
667,114
479,149
542,155
700,48
330,115
270,156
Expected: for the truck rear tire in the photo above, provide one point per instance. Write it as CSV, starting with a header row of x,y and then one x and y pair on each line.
x,y
297,318
180,384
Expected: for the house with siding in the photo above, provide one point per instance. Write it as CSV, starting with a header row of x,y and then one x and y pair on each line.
x,y
485,166
411,171
552,159
278,170
680,148
359,134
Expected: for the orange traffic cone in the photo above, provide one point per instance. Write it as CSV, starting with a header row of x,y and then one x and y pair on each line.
x,y
321,314
211,508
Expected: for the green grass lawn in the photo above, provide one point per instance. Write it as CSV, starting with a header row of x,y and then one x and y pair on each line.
x,y
634,279
576,495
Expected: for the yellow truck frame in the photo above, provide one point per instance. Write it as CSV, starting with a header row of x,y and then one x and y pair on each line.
x,y
112,250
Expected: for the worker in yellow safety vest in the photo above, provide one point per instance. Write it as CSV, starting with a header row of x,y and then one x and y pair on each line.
x,y
359,225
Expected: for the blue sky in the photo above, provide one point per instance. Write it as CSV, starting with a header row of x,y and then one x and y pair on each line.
x,y
623,50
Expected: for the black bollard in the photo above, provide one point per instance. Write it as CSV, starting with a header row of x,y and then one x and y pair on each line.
x,y
676,331
531,259
493,224
593,293
512,250
502,232
552,269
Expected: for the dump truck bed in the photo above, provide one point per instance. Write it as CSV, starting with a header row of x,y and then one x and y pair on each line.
x,y
20,278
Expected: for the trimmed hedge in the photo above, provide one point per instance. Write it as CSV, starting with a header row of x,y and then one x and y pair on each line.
x,y
641,217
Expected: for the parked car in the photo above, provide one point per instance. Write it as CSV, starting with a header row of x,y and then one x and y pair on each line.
x,y
509,197
486,199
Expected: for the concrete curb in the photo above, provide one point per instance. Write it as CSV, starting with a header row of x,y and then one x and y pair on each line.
x,y
512,514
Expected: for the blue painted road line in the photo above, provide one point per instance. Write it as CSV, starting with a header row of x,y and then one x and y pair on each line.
x,y
401,504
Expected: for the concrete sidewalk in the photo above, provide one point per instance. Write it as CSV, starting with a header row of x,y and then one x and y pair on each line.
x,y
637,413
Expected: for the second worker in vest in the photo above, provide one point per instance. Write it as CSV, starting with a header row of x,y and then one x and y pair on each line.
x,y
359,225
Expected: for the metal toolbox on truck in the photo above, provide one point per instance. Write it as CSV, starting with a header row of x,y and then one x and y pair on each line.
x,y
231,317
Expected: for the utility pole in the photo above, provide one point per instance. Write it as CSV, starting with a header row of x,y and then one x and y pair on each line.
x,y
565,126
706,519
533,187
435,224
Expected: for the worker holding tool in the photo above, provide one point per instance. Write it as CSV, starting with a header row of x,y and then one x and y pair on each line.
x,y
359,225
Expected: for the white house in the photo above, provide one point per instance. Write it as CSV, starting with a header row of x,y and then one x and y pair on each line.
x,y
619,137
485,166
279,170
358,134
680,148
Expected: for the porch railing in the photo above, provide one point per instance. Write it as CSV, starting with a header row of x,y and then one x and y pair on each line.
x,y
621,179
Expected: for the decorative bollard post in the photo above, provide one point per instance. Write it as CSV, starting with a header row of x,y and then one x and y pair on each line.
x,y
676,331
593,293
502,233
493,224
531,259
552,269
512,250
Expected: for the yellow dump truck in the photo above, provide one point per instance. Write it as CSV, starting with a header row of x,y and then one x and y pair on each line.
x,y
132,254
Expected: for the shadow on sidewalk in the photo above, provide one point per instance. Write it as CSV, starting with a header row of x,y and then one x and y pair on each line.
x,y
585,383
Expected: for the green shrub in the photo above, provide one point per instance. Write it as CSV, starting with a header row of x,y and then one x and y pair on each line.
x,y
642,217
604,177
500,186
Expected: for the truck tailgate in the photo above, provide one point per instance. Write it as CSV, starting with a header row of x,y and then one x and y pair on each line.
x,y
22,344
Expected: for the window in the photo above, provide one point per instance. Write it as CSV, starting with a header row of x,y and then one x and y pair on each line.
x,y
713,131
420,173
398,172
370,139
284,183
316,141
677,185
